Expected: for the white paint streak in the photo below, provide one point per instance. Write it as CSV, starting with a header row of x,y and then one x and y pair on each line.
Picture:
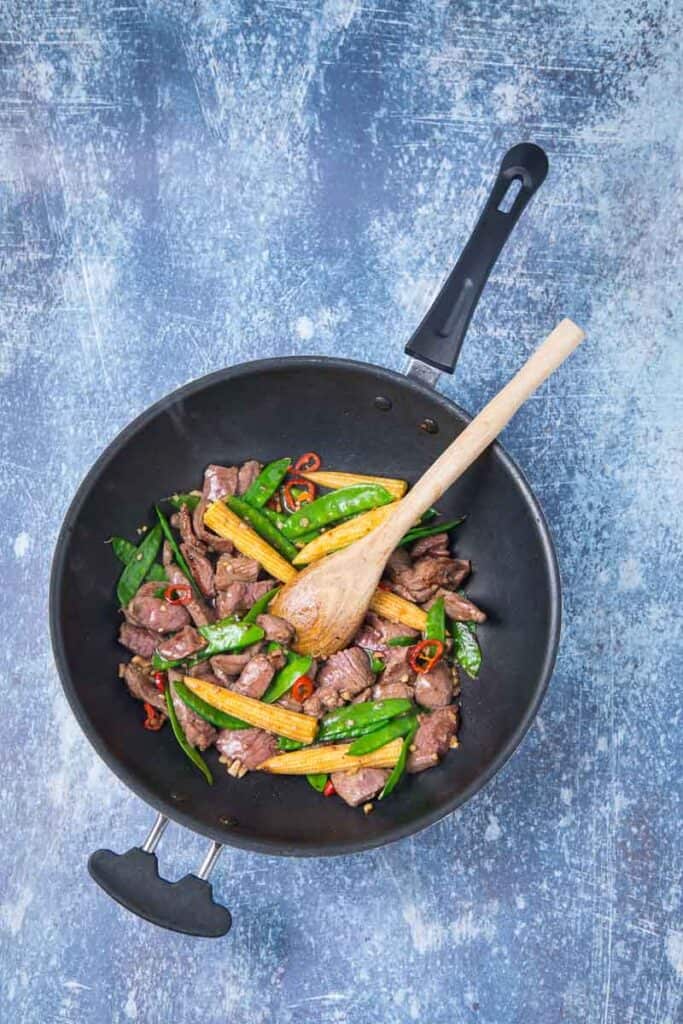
x,y
493,830
674,950
22,543
13,911
426,933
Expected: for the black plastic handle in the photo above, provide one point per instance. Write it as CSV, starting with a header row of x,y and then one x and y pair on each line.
x,y
438,339
133,880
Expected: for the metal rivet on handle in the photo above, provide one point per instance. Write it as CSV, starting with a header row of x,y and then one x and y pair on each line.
x,y
382,403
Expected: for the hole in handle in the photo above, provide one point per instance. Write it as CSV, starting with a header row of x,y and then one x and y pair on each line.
x,y
511,193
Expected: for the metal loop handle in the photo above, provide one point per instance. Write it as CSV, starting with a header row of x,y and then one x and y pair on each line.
x,y
133,880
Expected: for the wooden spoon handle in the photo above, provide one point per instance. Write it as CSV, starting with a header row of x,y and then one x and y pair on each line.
x,y
483,429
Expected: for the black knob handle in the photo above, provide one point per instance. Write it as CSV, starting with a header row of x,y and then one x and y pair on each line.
x,y
438,339
133,880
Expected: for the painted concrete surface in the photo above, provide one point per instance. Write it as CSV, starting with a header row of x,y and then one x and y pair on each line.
x,y
186,185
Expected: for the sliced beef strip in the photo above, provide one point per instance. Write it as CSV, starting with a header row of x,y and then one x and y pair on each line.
x,y
166,553
276,629
136,675
200,567
399,561
363,696
187,534
239,597
228,601
382,691
235,569
434,689
256,590
198,732
397,671
226,666
219,481
152,612
343,675
247,474
278,659
182,644
357,787
432,739
375,633
255,677
249,747
458,608
200,612
437,545
288,702
420,580
138,640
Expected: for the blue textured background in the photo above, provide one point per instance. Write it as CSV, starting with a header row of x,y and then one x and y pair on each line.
x,y
186,185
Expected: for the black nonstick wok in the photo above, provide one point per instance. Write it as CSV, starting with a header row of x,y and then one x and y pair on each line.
x,y
358,417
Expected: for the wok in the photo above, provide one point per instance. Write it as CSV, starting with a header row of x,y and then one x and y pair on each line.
x,y
359,417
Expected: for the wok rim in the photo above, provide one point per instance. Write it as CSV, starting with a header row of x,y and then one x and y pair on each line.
x,y
273,847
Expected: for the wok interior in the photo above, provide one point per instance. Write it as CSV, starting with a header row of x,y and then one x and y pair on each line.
x,y
263,411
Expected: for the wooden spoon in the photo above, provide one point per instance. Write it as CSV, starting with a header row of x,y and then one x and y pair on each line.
x,y
327,602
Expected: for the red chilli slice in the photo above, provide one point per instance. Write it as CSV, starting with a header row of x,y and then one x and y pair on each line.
x,y
309,462
425,655
183,592
329,789
293,502
154,719
302,689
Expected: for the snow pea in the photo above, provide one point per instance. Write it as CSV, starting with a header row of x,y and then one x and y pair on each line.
x,y
318,781
263,526
402,641
135,571
278,519
466,647
229,635
418,532
267,482
284,743
347,501
189,751
126,552
220,719
337,724
260,606
435,628
225,635
399,768
297,665
191,500
380,737
177,553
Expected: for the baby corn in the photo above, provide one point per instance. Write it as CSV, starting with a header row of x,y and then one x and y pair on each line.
x,y
294,725
342,535
397,609
331,759
223,521
325,478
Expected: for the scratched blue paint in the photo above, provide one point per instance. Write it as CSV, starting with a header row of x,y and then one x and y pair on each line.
x,y
184,186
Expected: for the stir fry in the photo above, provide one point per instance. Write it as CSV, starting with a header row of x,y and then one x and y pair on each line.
x,y
210,658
